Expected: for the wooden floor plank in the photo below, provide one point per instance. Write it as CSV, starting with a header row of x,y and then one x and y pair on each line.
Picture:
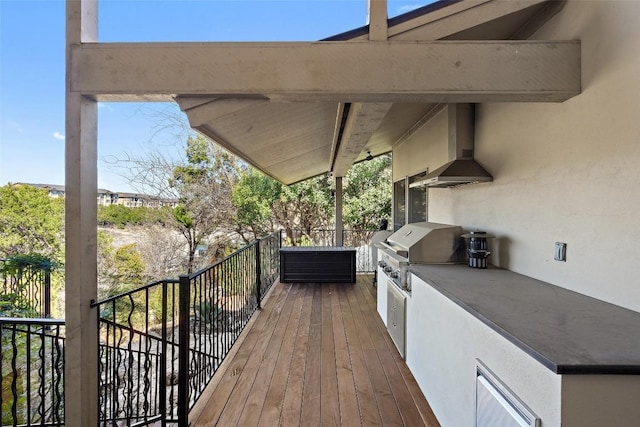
x,y
256,398
311,393
369,413
329,405
418,401
318,354
225,379
381,389
273,404
292,405
244,384
347,397
356,306
404,400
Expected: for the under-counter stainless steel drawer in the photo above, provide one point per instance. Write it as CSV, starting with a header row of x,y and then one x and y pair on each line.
x,y
396,316
497,406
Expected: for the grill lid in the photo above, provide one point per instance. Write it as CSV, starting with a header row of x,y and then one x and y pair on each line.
x,y
426,242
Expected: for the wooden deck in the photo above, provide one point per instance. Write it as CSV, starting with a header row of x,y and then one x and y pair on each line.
x,y
317,354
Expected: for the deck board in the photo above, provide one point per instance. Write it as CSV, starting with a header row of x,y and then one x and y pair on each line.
x,y
317,354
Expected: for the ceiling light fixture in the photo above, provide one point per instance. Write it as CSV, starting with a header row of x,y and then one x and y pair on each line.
x,y
369,156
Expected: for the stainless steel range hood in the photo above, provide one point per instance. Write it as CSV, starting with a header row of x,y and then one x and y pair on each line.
x,y
456,172
462,167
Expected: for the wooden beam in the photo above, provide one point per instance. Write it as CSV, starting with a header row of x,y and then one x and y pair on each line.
x,y
363,120
441,71
377,19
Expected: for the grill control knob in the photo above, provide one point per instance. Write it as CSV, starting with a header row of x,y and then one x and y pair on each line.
x,y
388,269
395,274
382,264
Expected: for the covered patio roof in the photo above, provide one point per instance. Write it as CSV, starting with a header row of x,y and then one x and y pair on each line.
x,y
297,110
293,110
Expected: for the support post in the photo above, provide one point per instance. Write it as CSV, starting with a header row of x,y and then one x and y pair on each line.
x,y
377,19
183,352
163,358
81,184
339,225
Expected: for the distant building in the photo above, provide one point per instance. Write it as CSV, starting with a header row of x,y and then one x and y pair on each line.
x,y
55,191
107,197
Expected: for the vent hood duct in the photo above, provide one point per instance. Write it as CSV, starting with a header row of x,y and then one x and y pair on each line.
x,y
461,168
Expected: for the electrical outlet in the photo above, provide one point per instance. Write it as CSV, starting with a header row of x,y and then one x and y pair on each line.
x,y
561,252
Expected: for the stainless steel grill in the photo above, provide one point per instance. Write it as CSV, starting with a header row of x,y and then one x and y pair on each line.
x,y
420,243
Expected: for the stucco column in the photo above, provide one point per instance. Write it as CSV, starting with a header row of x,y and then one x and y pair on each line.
x,y
339,225
81,363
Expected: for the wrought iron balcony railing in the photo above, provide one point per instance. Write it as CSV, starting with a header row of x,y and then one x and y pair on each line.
x,y
25,289
159,345
32,371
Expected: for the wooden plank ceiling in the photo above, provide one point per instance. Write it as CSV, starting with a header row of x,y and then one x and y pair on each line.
x,y
293,141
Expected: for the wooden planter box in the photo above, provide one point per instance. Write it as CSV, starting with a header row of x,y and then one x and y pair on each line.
x,y
317,264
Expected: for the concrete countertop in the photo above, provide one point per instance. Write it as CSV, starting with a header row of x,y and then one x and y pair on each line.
x,y
567,332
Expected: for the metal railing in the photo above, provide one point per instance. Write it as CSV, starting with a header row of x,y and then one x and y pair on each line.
x,y
357,239
25,289
32,372
137,376
161,344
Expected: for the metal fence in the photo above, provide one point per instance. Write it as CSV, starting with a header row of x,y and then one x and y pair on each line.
x,y
160,345
25,289
357,239
136,352
32,371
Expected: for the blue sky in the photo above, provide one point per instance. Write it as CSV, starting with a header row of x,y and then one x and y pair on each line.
x,y
32,69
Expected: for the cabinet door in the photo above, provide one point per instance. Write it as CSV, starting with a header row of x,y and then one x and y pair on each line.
x,y
396,309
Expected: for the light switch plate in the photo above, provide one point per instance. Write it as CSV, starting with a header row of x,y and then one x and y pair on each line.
x,y
561,252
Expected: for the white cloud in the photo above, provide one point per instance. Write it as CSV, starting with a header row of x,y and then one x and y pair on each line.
x,y
57,135
15,126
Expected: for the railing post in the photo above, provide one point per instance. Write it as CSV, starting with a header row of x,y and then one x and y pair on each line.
x,y
162,383
183,352
258,272
47,294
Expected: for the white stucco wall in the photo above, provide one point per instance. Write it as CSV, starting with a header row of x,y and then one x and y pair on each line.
x,y
443,343
563,172
600,400
427,148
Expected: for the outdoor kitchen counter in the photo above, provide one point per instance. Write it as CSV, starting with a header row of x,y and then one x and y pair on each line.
x,y
567,332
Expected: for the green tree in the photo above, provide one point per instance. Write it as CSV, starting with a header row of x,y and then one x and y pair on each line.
x,y
204,185
264,205
119,269
201,182
121,216
367,194
31,222
254,198
307,205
